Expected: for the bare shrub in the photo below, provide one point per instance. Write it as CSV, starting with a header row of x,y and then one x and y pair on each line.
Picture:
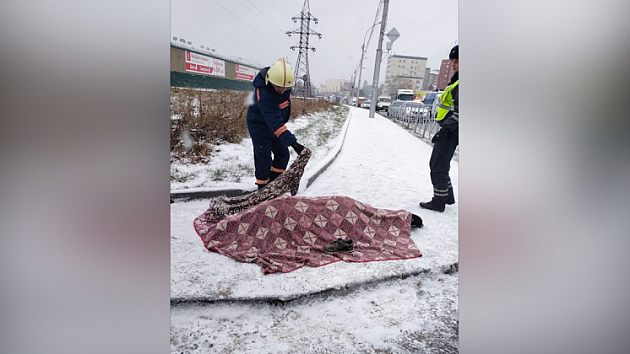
x,y
301,106
211,118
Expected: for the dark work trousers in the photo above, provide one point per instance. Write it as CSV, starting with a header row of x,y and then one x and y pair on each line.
x,y
440,164
264,146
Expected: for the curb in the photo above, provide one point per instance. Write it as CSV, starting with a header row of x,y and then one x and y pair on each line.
x,y
307,178
325,293
311,176
203,194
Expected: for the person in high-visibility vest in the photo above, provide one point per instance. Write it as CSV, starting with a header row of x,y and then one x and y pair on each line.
x,y
445,141
266,119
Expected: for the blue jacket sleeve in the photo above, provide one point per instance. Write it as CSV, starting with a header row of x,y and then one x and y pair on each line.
x,y
271,111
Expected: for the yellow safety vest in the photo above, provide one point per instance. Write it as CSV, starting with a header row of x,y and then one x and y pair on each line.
x,y
446,104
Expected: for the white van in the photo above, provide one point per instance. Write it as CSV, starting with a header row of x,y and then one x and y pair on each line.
x,y
383,102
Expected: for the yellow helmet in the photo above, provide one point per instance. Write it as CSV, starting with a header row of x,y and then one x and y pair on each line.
x,y
280,74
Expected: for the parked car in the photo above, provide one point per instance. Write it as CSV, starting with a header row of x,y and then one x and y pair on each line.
x,y
365,104
418,112
391,109
383,103
395,108
402,110
429,97
406,111
434,105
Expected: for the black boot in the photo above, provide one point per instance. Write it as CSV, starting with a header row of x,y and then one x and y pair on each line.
x,y
260,186
437,204
339,246
273,175
416,221
450,198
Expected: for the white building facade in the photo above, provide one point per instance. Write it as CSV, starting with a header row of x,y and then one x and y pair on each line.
x,y
404,72
333,85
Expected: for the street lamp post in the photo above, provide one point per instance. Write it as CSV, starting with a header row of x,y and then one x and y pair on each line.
x,y
354,77
393,35
361,65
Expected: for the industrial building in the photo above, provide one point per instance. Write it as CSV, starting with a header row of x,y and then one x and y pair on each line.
x,y
204,68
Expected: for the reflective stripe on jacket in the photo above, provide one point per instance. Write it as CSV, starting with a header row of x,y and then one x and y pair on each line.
x,y
270,111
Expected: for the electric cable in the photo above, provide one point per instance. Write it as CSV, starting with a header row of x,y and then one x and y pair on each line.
x,y
260,11
247,23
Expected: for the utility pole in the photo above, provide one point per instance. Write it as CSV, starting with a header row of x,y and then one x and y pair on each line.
x,y
354,73
377,64
302,76
360,67
354,77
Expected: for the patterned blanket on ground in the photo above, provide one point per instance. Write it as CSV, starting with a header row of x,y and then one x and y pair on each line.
x,y
286,233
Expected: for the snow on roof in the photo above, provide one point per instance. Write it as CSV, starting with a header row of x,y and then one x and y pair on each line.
x,y
209,52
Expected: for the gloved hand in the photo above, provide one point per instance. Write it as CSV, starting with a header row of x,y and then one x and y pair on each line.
x,y
442,134
297,147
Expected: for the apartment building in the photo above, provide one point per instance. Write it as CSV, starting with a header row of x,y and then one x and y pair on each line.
x,y
404,72
430,79
446,72
333,85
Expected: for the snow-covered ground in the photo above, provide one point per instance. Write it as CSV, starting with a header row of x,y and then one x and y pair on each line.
x,y
232,165
403,306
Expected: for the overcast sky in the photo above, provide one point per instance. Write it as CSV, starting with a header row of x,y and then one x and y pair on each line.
x,y
256,30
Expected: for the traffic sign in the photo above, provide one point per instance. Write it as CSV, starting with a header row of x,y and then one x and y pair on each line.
x,y
393,34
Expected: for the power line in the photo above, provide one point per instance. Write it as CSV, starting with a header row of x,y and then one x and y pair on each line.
x,y
247,23
436,59
260,11
289,6
440,53
272,3
378,10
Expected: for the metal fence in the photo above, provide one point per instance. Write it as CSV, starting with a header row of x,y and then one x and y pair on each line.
x,y
179,79
419,120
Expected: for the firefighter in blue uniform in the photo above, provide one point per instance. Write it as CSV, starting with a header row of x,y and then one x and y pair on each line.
x,y
266,119
445,141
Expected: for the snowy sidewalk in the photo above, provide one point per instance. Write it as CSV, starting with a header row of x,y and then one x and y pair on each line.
x,y
380,164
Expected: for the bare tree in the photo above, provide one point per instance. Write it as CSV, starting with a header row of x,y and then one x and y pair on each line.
x,y
399,82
